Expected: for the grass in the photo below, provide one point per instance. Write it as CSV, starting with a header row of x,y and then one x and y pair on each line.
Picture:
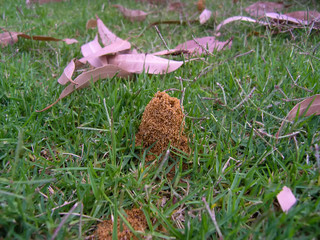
x,y
80,156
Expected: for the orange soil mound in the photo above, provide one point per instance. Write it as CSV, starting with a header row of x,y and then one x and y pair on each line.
x,y
136,219
162,123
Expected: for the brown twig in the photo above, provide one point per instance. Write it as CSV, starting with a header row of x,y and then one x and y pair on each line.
x,y
295,82
259,135
245,99
162,39
200,45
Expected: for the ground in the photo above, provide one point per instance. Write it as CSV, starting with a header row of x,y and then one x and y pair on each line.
x,y
66,170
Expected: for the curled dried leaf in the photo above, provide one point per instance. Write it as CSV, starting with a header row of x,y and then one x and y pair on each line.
x,y
113,48
91,48
107,37
309,16
7,38
91,23
259,9
68,72
84,79
205,16
307,107
132,15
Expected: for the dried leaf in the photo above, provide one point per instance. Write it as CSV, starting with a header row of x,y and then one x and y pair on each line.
x,y
259,9
197,45
70,41
92,23
91,48
176,6
284,19
107,37
41,1
113,48
85,78
205,16
8,38
153,1
307,107
286,199
239,18
67,73
137,63
132,15
309,16
12,37
201,5
171,52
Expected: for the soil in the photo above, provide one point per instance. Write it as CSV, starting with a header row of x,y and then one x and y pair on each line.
x,y
162,124
136,219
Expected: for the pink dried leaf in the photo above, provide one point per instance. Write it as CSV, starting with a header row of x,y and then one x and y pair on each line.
x,y
307,107
12,37
132,15
205,16
85,78
171,52
107,37
137,63
176,6
91,48
285,19
70,41
91,23
286,199
309,16
66,76
198,45
7,38
113,48
239,18
259,9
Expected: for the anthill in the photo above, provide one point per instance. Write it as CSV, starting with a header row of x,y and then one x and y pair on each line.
x,y
162,124
135,217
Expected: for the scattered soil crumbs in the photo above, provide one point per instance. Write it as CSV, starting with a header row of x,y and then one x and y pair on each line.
x,y
162,124
136,219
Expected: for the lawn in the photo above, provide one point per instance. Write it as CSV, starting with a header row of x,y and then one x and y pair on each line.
x,y
65,170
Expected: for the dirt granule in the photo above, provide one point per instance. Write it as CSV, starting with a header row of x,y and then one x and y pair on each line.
x,y
136,219
162,123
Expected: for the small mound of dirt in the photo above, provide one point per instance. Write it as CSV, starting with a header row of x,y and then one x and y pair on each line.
x,y
136,219
162,124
